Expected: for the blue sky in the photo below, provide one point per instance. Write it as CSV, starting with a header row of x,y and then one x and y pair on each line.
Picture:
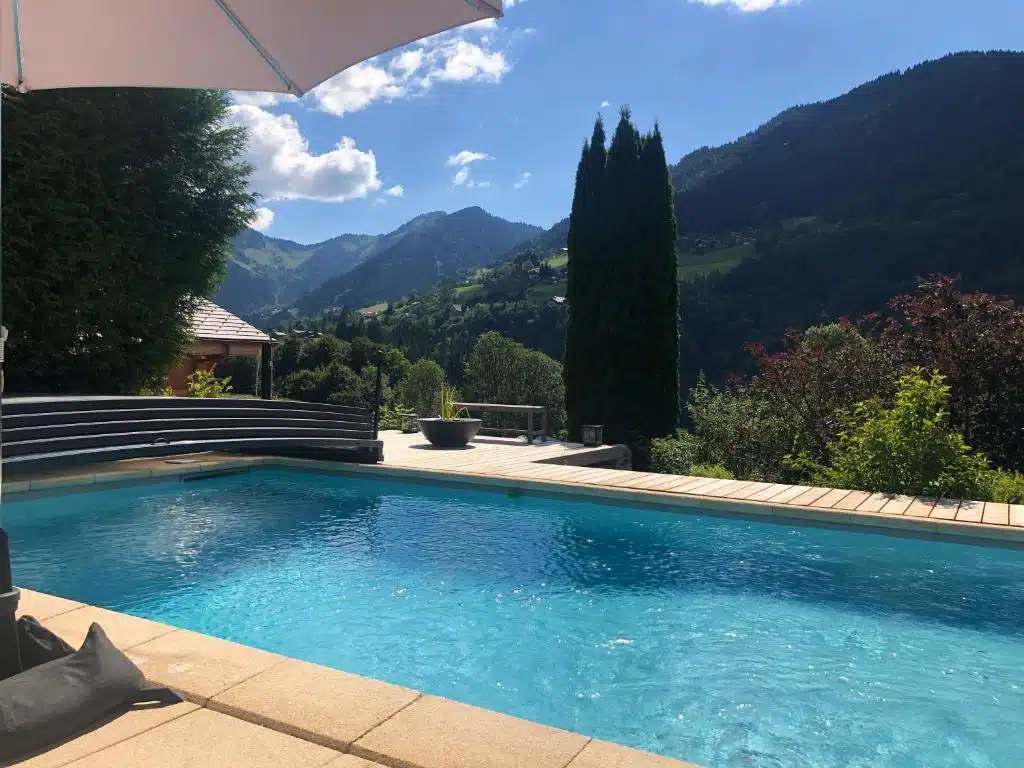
x,y
494,114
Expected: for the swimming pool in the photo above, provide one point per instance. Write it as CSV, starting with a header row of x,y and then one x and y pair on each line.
x,y
721,641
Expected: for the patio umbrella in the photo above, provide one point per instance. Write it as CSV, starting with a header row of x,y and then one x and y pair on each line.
x,y
284,46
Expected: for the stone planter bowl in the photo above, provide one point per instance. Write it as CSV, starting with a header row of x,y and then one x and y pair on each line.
x,y
450,433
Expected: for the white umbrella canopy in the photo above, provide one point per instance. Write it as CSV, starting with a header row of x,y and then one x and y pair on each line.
x,y
287,46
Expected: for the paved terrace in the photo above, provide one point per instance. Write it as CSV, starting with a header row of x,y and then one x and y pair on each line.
x,y
246,707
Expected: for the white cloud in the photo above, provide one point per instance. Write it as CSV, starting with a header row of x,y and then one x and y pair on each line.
x,y
465,55
464,160
285,169
747,6
396,191
264,217
260,98
605,104
524,179
466,156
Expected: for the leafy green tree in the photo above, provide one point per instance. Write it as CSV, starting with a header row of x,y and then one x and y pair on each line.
x,y
500,370
286,356
421,387
323,351
118,210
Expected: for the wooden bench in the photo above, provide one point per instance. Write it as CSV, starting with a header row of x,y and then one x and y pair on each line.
x,y
531,411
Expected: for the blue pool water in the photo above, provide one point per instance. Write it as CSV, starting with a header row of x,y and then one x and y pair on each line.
x,y
722,641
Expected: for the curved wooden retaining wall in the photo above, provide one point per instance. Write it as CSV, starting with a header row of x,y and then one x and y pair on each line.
x,y
42,433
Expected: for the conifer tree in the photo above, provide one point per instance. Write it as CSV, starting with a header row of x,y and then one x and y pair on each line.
x,y
583,386
622,340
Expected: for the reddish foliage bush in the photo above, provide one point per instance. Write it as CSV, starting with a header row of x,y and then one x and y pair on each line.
x,y
819,372
975,340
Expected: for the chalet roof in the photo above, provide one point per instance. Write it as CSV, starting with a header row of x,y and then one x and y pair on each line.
x,y
213,323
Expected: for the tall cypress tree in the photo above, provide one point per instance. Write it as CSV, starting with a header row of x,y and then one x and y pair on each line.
x,y
659,340
622,342
583,383
620,297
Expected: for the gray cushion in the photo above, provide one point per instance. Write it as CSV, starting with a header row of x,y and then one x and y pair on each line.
x,y
39,645
48,703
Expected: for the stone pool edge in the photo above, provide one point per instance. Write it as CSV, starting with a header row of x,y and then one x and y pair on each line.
x,y
383,723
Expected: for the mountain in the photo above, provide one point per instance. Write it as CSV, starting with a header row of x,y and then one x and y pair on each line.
x,y
448,243
547,242
266,272
843,204
828,210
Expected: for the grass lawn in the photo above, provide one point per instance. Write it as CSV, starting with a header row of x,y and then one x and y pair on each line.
x,y
693,265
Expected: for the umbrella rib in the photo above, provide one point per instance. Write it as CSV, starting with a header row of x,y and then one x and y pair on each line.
x,y
16,18
481,4
258,47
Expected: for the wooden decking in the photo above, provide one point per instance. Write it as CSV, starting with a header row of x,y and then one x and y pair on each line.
x,y
514,463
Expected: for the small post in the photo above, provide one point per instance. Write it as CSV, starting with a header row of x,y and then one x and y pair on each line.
x,y
267,371
10,654
376,395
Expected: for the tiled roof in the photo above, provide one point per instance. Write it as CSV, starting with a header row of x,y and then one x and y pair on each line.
x,y
217,324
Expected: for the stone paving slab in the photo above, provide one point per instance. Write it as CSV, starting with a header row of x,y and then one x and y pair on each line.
x,y
123,630
43,606
207,738
199,667
118,728
438,733
343,708
604,754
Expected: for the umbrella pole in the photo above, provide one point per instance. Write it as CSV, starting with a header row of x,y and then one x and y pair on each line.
x,y
10,656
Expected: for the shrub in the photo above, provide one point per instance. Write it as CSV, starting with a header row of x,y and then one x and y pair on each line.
x,y
738,430
1002,486
820,372
976,341
390,417
674,455
203,383
711,470
163,391
421,388
908,448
